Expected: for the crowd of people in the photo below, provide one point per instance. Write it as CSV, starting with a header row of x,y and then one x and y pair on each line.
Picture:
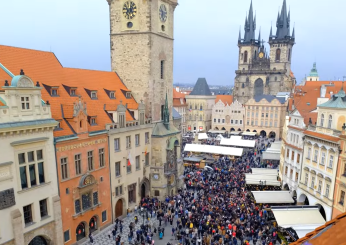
x,y
214,207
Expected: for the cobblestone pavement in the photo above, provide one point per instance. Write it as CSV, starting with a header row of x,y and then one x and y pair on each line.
x,y
102,237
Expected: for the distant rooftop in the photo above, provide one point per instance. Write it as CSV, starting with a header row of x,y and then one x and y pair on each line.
x,y
201,88
269,98
313,72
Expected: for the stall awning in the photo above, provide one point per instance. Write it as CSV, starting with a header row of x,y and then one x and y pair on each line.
x,y
263,177
264,171
272,197
271,156
303,219
249,133
261,182
211,149
237,141
202,136
235,132
193,159
217,131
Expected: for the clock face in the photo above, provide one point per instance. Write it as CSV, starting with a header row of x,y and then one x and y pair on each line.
x,y
261,55
129,10
156,176
163,13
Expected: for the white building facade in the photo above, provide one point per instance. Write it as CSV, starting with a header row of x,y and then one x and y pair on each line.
x,y
293,155
29,202
229,117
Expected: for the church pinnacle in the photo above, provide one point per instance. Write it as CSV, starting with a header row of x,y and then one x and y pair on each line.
x,y
250,26
283,23
166,114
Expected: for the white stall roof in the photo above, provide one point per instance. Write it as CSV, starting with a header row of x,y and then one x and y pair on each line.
x,y
263,177
303,219
272,197
229,151
219,137
217,131
249,133
235,132
237,141
271,156
202,136
264,171
267,182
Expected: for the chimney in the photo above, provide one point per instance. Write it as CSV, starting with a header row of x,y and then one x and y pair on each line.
x,y
21,72
6,83
37,84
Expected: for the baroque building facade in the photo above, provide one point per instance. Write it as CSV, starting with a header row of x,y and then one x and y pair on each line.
x,y
228,114
29,198
261,73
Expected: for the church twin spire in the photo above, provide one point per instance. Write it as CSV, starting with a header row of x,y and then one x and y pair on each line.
x,y
282,25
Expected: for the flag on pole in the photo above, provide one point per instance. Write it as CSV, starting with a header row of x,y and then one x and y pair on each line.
x,y
129,159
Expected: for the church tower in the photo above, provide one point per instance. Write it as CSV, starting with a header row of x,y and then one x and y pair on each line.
x,y
259,73
281,46
141,36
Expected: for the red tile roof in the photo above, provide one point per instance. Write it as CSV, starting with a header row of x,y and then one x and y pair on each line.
x,y
331,233
226,99
305,97
321,136
177,95
45,67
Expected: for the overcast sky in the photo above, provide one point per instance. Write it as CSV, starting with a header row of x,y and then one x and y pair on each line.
x,y
206,34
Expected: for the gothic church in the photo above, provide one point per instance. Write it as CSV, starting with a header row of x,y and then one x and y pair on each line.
x,y
261,73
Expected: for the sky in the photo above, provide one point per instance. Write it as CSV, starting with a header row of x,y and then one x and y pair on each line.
x,y
205,33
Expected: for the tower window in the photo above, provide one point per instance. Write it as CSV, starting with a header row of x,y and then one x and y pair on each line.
x,y
245,56
289,55
162,109
243,85
278,53
162,69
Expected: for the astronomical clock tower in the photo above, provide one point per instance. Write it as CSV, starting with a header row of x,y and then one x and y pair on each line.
x,y
141,43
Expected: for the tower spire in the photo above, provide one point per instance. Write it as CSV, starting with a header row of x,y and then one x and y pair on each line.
x,y
239,38
250,26
259,36
271,32
283,23
293,33
166,114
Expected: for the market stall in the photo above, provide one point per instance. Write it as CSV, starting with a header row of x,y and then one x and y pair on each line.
x,y
277,197
237,141
211,149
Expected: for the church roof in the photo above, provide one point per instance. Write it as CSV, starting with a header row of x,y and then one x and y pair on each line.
x,y
160,130
175,114
269,98
201,88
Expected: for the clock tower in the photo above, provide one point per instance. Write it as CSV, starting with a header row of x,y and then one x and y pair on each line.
x,y
141,42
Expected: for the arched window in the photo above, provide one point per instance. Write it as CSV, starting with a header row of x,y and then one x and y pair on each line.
x,y
80,123
243,93
245,56
330,121
276,79
255,54
200,118
247,80
289,54
195,106
278,53
242,85
322,120
201,107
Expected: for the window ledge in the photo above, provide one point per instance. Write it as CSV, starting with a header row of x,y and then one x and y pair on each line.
x,y
314,161
117,150
29,224
45,217
129,172
138,145
33,188
330,168
138,169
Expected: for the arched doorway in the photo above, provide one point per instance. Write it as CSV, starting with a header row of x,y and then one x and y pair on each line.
x,y
272,134
294,194
255,131
248,130
38,240
223,128
143,191
232,129
303,199
216,128
239,129
93,224
119,208
321,209
172,192
258,87
263,133
80,231
286,187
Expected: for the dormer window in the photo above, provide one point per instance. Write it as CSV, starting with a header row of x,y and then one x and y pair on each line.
x,y
128,95
25,103
54,92
112,95
92,120
73,92
93,95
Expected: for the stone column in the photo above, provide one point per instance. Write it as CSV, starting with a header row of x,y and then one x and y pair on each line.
x,y
58,232
17,226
